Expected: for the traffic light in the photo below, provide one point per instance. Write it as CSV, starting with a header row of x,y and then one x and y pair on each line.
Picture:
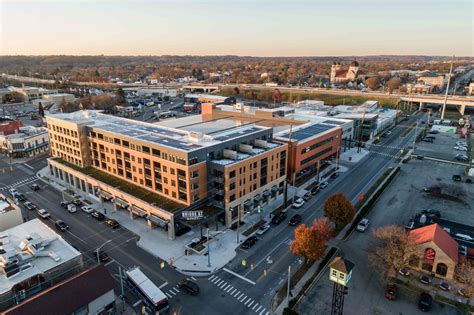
x,y
244,262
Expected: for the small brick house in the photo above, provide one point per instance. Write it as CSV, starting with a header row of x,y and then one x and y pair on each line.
x,y
438,252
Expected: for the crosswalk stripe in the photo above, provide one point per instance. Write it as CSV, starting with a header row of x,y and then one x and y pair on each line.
x,y
211,277
169,295
256,304
231,287
172,292
258,309
215,280
263,311
251,303
193,278
240,300
267,313
226,287
249,299
231,293
218,282
175,289
235,295
240,295
222,285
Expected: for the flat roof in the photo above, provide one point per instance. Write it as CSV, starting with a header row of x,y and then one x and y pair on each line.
x,y
57,252
178,135
306,132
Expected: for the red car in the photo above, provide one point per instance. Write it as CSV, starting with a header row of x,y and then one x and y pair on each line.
x,y
391,292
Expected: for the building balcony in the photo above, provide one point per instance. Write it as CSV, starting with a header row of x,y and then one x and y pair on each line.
x,y
219,180
182,177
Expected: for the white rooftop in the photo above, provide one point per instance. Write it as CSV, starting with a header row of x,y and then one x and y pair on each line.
x,y
57,252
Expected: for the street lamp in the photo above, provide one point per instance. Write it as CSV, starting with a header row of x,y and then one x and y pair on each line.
x,y
99,248
208,248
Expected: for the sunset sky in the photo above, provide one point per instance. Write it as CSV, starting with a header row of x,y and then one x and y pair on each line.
x,y
236,27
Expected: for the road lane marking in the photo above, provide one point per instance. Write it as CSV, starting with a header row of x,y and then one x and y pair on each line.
x,y
227,286
251,303
175,290
218,282
215,280
211,277
136,303
163,285
249,299
256,311
239,276
231,293
172,292
231,287
169,295
109,263
240,295
193,278
265,257
223,285
264,309
240,300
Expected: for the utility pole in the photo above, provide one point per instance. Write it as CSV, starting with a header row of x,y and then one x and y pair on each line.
x,y
238,225
447,90
122,295
288,288
287,164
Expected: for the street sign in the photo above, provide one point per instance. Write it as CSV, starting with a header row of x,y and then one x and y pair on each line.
x,y
192,215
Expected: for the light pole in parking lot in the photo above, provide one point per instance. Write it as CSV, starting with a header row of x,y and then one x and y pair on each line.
x,y
99,248
208,248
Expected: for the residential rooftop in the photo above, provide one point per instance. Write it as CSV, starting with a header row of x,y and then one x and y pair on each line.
x,y
305,132
36,248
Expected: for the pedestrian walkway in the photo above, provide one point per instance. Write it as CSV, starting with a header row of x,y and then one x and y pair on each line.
x,y
20,183
238,295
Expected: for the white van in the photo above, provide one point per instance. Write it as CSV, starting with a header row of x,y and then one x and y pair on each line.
x,y
71,208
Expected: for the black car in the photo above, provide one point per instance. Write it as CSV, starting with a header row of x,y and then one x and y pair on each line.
x,y
278,218
249,242
77,202
64,204
112,223
295,220
432,212
424,302
97,215
61,225
20,197
434,132
35,187
188,286
103,257
428,140
314,190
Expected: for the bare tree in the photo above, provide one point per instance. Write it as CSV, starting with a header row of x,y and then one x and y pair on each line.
x,y
392,250
464,274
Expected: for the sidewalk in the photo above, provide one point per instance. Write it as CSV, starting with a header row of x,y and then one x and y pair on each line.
x,y
155,241
352,156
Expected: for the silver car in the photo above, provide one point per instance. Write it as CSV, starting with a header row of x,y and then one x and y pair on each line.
x,y
363,225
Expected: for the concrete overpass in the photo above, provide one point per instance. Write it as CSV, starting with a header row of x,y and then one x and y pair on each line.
x,y
459,101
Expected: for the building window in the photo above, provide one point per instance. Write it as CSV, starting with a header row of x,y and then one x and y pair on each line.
x,y
232,174
173,194
442,269
231,198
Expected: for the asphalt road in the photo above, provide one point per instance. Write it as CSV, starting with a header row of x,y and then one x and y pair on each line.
x,y
248,293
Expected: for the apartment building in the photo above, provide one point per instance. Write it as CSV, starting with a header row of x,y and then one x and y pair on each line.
x,y
27,142
156,171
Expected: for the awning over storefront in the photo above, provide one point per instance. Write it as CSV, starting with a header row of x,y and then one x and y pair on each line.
x,y
274,189
266,193
158,221
121,203
138,211
106,195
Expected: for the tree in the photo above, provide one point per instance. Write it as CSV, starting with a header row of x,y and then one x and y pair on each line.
x,y
324,227
372,83
308,243
393,84
40,110
392,250
339,210
464,273
276,96
120,95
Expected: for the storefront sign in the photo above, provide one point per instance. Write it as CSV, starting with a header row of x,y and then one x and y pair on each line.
x,y
192,215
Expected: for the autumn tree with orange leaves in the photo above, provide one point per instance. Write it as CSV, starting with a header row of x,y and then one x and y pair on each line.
x,y
339,210
310,242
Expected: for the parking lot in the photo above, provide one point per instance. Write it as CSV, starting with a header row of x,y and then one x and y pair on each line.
x,y
442,146
400,201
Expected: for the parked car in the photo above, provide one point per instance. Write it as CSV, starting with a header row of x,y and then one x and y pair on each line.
x,y
103,257
64,204
460,148
111,223
307,196
444,286
464,237
434,132
278,218
428,140
61,225
314,190
188,286
363,225
35,187
13,192
20,197
457,178
249,242
263,229
43,213
424,302
461,143
404,272
425,279
295,220
97,215
298,203
391,291
462,292
323,185
29,206
87,209
430,137
77,202
431,212
334,175
461,157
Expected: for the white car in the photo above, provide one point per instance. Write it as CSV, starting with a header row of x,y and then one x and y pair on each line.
x,y
263,229
43,213
460,148
363,225
461,143
298,203
464,237
13,192
87,209
323,185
